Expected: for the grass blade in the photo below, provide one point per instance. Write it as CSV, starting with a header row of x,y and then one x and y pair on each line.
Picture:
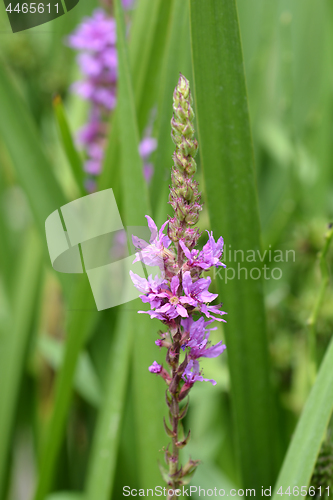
x,y
227,159
86,381
305,445
177,55
24,145
68,143
16,341
135,193
80,324
106,440
142,41
150,28
147,36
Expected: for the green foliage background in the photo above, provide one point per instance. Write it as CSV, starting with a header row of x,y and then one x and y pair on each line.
x,y
80,415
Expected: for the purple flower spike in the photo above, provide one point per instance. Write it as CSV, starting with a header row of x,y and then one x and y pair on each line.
x,y
95,39
183,292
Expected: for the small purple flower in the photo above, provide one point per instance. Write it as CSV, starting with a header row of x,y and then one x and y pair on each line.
x,y
151,288
155,368
208,257
173,307
212,251
149,285
152,253
197,291
192,373
199,337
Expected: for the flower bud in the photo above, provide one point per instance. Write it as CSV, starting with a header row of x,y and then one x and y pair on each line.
x,y
180,160
184,390
192,218
191,167
177,178
188,146
183,86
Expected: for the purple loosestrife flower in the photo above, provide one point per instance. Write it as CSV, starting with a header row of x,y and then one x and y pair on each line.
x,y
192,374
199,339
95,41
208,257
154,253
182,292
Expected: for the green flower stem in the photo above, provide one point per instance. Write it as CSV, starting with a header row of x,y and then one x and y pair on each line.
x,y
318,303
174,463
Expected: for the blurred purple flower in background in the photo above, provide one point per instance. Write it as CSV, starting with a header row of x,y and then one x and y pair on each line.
x,y
146,148
95,41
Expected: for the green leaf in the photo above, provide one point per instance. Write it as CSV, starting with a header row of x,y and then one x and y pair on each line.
x,y
149,399
102,467
207,475
24,145
135,193
15,340
142,42
176,57
7,256
226,155
110,176
147,38
86,381
305,445
68,143
146,48
81,321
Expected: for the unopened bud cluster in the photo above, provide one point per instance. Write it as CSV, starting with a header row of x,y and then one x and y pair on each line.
x,y
184,195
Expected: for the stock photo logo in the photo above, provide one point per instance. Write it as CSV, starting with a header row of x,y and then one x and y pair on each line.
x,y
87,235
25,15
